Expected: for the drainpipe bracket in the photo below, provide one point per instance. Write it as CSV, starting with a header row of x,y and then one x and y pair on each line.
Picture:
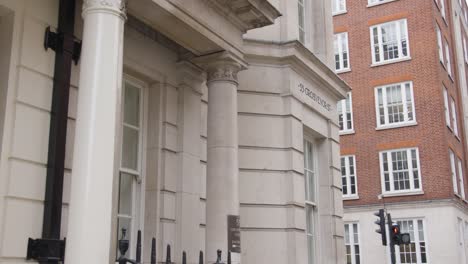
x,y
45,250
60,42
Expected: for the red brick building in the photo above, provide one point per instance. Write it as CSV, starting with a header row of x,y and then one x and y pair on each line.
x,y
403,138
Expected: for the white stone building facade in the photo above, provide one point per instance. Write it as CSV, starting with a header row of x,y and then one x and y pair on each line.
x,y
180,114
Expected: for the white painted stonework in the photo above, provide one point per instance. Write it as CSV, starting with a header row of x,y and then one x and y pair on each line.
x,y
228,95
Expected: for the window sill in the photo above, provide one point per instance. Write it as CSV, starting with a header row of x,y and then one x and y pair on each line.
x,y
390,62
408,193
344,133
409,124
380,3
450,77
340,13
350,198
343,71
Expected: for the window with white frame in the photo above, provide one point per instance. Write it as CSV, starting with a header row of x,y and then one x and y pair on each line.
x,y
400,171
442,8
461,240
448,63
341,51
345,114
311,176
453,171
301,7
348,176
353,251
446,107
439,44
130,173
339,6
461,178
395,104
454,116
416,251
389,41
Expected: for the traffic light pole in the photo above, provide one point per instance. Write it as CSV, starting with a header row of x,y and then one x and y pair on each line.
x,y
392,243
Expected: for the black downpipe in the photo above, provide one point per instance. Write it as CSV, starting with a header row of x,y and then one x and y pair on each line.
x,y
50,249
58,122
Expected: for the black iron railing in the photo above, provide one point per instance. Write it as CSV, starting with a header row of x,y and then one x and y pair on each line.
x,y
124,245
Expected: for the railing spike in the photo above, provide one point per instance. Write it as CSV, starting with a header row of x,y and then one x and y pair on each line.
x,y
168,254
153,251
138,247
200,258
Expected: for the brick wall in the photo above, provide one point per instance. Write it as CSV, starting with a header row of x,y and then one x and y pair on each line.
x,y
430,135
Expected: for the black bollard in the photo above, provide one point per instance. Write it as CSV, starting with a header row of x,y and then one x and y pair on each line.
x,y
229,257
153,251
184,257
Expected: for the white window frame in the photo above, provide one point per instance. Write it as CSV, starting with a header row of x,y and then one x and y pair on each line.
x,y
344,112
440,45
138,183
338,7
406,121
454,116
448,59
410,170
348,176
302,9
465,49
371,3
350,240
442,8
446,107
453,171
416,238
311,203
341,47
461,178
398,25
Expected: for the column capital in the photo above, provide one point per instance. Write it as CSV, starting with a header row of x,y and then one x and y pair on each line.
x,y
118,7
221,66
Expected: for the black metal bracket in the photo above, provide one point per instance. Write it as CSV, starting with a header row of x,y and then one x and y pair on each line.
x,y
44,250
60,42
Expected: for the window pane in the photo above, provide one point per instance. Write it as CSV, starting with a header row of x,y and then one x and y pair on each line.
x,y
125,194
132,105
130,148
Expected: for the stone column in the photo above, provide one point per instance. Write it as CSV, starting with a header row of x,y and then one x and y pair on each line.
x,y
222,183
94,162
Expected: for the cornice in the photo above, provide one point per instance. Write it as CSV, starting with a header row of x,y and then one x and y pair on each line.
x,y
247,14
301,59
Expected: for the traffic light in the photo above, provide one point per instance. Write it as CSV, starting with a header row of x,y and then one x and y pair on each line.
x,y
398,238
381,223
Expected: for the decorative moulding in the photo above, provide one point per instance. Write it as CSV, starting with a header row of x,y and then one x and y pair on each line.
x,y
247,14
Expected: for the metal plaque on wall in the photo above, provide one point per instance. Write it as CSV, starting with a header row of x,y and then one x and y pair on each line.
x,y
234,243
